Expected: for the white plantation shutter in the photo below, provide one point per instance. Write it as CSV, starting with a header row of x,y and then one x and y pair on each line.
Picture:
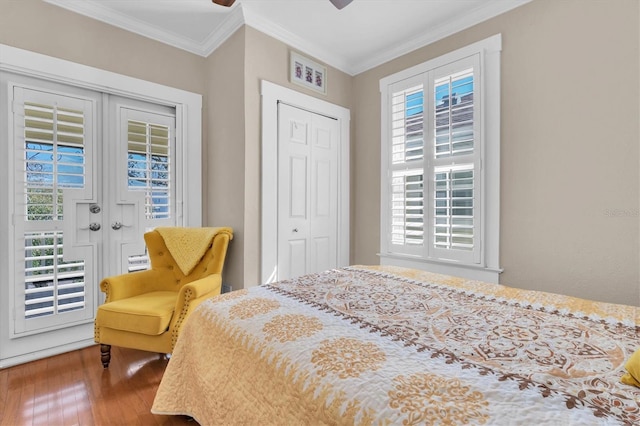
x,y
54,157
51,285
407,207
54,160
150,169
149,166
455,162
407,186
407,124
453,208
433,189
454,118
51,141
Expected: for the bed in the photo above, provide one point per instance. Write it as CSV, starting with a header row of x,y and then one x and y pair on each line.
x,y
376,345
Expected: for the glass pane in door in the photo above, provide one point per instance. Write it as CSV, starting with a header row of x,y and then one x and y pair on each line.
x,y
150,171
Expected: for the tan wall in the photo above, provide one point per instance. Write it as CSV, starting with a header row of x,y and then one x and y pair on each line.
x,y
224,179
268,59
40,27
570,146
570,132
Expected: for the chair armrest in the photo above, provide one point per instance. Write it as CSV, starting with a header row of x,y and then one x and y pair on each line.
x,y
191,295
128,285
202,287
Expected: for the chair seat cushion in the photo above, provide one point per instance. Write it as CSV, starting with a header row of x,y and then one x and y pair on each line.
x,y
148,313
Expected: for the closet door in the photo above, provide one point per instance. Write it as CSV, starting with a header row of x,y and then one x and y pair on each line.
x,y
307,192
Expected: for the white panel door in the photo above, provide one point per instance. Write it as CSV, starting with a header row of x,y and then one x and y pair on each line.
x,y
142,184
86,185
56,232
307,192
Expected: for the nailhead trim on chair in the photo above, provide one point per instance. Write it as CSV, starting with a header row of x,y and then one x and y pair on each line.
x,y
105,290
188,294
96,329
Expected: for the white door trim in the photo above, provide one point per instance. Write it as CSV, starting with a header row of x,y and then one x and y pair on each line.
x,y
271,95
15,61
188,110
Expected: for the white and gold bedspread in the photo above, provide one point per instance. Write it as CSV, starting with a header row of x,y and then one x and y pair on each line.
x,y
384,345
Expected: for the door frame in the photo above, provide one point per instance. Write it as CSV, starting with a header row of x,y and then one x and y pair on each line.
x,y
188,107
272,94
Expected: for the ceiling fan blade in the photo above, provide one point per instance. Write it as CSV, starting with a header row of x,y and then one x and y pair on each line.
x,y
226,3
340,3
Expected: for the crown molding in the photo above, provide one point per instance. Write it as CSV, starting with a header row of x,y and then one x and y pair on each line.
x,y
234,20
238,16
94,10
353,66
309,48
487,11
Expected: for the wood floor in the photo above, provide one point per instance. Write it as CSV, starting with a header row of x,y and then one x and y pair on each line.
x,y
74,389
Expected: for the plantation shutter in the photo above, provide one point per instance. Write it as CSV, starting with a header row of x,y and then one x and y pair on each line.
x,y
407,186
52,134
440,163
148,166
454,162
150,158
433,164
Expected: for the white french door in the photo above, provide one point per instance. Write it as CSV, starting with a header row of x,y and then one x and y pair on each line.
x,y
54,158
142,183
91,173
307,192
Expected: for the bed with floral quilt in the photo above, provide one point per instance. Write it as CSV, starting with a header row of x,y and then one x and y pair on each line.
x,y
376,345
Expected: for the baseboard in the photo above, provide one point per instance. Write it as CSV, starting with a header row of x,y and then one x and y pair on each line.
x,y
33,356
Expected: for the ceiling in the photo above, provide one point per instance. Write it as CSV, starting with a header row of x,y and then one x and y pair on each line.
x,y
364,34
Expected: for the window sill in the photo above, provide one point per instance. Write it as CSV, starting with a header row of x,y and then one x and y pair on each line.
x,y
473,272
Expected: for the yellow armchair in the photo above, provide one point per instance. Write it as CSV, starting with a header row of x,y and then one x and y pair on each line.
x,y
145,310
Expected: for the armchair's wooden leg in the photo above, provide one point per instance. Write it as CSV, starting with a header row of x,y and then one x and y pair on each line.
x,y
105,355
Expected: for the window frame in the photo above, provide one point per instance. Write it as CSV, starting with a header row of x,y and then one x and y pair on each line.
x,y
485,264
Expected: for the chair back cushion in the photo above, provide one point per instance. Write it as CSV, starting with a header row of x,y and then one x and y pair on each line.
x,y
148,313
211,262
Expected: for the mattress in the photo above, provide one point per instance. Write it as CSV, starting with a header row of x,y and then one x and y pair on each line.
x,y
375,345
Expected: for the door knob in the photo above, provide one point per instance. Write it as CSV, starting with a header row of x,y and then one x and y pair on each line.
x,y
94,226
295,229
116,225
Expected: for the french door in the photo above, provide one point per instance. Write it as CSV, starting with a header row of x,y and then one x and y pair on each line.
x,y
92,172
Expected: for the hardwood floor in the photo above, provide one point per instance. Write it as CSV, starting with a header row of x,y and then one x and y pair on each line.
x,y
74,389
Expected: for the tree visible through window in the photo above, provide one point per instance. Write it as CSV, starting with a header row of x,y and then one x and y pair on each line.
x,y
54,160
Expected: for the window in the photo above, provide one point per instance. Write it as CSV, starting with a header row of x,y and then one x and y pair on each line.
x,y
148,166
440,163
150,171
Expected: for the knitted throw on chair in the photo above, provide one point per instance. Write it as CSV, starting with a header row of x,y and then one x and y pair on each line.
x,y
187,245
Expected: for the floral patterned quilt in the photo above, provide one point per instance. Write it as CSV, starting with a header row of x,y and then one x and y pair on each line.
x,y
383,345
